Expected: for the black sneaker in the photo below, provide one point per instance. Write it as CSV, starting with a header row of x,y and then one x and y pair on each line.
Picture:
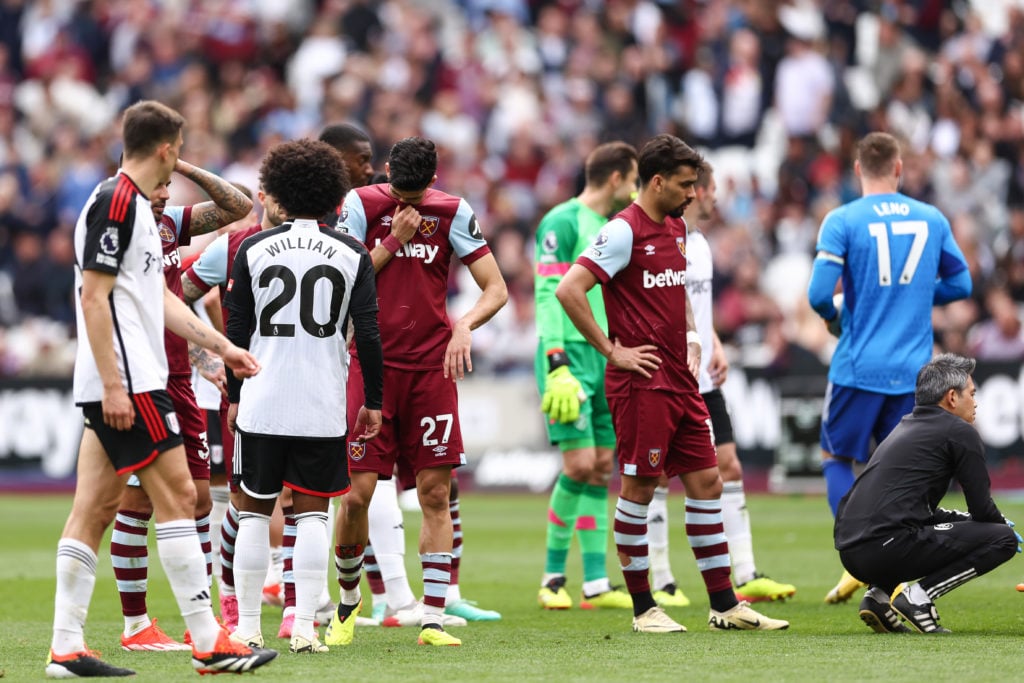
x,y
230,656
84,664
924,618
877,613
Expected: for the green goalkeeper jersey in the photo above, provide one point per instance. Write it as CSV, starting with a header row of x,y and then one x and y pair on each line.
x,y
563,234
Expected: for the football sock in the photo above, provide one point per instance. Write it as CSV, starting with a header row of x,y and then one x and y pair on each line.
x,y
838,480
288,555
228,532
203,531
437,570
563,510
373,576
129,556
220,496
592,530
396,581
252,558
736,521
631,542
76,577
348,560
310,569
182,558
275,570
657,538
453,593
706,534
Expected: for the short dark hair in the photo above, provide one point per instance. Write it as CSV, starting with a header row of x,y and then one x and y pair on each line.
x,y
942,373
147,124
608,158
877,154
664,154
704,174
343,136
412,164
306,177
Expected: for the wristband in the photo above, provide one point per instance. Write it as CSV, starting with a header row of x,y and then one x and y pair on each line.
x,y
391,243
556,359
693,338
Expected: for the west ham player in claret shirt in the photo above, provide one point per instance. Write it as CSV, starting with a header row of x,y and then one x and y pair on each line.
x,y
653,349
412,231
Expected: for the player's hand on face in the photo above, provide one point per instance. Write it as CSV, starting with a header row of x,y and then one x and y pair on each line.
x,y
457,358
232,416
243,363
368,423
639,359
405,224
118,411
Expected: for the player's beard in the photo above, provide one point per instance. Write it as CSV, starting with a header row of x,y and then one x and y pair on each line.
x,y
678,211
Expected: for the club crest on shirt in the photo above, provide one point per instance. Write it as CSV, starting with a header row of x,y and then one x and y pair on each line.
x,y
681,245
110,240
166,234
550,243
654,456
356,450
428,225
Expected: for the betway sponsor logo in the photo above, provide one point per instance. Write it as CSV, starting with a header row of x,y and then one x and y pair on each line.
x,y
419,250
666,278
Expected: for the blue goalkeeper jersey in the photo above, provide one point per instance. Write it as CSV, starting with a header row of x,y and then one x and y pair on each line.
x,y
893,251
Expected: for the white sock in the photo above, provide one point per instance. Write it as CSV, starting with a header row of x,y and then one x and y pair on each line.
x,y
134,624
76,577
597,586
185,565
252,558
309,566
275,570
736,521
657,539
220,497
453,594
387,535
396,581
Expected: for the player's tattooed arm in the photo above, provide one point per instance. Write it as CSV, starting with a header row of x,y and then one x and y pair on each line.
x,y
228,203
209,365
180,320
191,290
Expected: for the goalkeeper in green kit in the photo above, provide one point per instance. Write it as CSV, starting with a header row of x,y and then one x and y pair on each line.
x,y
570,377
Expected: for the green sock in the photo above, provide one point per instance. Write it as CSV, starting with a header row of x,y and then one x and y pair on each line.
x,y
562,513
592,527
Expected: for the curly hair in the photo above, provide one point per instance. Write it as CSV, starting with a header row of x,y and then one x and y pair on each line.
x,y
412,164
306,177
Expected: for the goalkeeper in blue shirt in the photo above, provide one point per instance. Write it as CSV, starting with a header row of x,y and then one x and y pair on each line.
x,y
570,377
896,258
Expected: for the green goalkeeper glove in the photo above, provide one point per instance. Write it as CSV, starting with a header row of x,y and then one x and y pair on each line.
x,y
562,392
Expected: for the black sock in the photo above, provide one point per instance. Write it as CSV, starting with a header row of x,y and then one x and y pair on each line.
x,y
642,602
723,601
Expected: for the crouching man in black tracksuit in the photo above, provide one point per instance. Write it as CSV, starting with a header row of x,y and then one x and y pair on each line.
x,y
889,528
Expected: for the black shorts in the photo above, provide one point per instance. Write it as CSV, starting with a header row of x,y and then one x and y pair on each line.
x,y
721,423
154,431
216,441
264,464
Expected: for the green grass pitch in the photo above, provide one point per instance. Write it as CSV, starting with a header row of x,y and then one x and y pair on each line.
x,y
504,541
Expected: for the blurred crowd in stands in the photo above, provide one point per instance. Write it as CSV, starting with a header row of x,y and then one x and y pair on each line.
x,y
516,93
